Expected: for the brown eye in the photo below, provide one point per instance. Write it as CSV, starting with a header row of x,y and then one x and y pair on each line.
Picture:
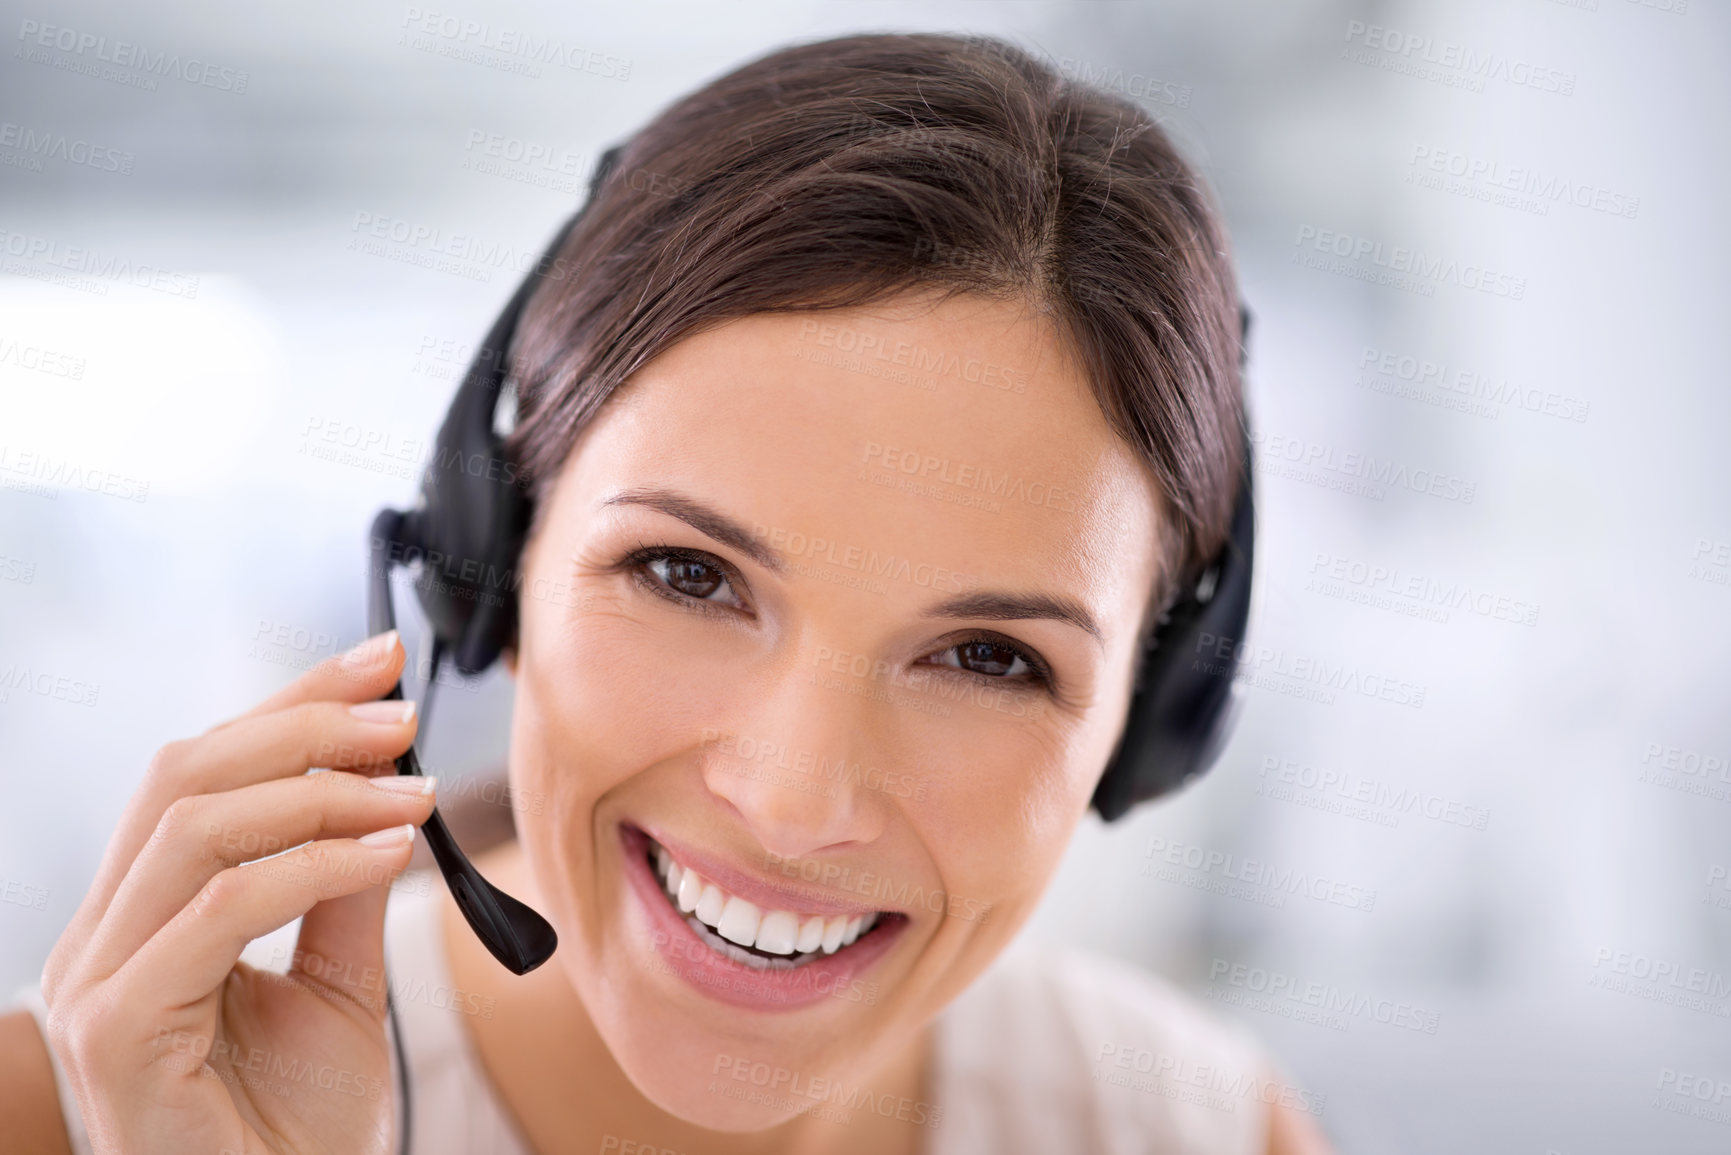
x,y
988,658
694,579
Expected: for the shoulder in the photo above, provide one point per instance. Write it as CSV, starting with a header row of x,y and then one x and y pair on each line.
x,y
453,1105
1055,1050
33,1104
34,1092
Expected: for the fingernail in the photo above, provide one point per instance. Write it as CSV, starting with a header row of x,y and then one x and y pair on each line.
x,y
404,783
389,837
389,713
371,651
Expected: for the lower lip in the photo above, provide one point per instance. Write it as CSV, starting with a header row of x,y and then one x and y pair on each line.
x,y
676,948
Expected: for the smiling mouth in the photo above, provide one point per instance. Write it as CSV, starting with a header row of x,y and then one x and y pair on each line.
x,y
746,933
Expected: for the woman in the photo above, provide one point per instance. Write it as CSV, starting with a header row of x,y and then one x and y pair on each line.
x,y
881,400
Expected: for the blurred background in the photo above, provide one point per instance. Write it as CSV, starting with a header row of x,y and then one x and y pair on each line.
x,y
1486,719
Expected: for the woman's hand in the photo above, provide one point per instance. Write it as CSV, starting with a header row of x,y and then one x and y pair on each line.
x,y
171,1044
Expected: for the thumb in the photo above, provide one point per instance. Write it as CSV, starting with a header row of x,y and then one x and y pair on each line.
x,y
342,947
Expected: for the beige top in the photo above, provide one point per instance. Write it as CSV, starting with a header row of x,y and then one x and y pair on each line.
x,y
1048,1051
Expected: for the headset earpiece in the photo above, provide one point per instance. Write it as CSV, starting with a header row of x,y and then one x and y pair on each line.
x,y
1182,709
1185,700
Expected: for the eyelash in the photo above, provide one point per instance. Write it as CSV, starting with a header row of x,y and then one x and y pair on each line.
x,y
637,562
638,559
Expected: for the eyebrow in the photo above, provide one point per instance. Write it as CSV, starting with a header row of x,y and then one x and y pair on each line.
x,y
1002,607
987,604
710,522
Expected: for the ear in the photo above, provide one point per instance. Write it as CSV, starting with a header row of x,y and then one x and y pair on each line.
x,y
509,656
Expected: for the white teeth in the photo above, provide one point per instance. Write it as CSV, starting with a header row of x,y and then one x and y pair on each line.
x,y
778,932
690,890
832,932
741,955
737,921
711,904
810,934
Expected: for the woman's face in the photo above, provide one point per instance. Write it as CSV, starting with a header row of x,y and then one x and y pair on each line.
x,y
837,609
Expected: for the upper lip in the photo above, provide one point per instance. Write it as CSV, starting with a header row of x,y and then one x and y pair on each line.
x,y
767,893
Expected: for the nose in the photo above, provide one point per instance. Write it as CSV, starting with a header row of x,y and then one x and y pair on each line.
x,y
795,766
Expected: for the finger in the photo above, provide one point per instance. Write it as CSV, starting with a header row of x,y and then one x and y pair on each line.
x,y
202,835
342,948
359,736
247,751
195,951
360,675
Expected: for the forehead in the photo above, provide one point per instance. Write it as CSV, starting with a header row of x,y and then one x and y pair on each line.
x,y
959,434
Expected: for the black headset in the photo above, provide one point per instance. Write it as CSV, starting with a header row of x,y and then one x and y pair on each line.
x,y
465,537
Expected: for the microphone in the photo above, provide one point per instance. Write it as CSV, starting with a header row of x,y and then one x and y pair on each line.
x,y
518,937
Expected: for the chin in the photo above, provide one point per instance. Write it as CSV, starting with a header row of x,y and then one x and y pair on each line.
x,y
732,997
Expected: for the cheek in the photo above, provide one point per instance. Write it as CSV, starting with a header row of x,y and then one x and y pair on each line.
x,y
602,696
1000,814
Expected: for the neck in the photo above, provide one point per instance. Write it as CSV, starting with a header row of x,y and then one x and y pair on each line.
x,y
554,1074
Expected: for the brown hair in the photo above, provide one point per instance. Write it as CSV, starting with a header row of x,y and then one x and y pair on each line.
x,y
837,173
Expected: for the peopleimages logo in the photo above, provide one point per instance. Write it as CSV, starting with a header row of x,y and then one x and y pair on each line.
x,y
1662,980
527,162
1446,62
40,359
863,560
1266,990
1275,668
775,755
1686,770
513,49
63,473
1139,85
1171,1073
1363,474
1372,584
443,250
1518,180
918,358
59,686
1381,802
802,1091
898,462
1397,266
1400,373
22,894
33,147
1687,1093
92,263
1257,880
1711,561
89,51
